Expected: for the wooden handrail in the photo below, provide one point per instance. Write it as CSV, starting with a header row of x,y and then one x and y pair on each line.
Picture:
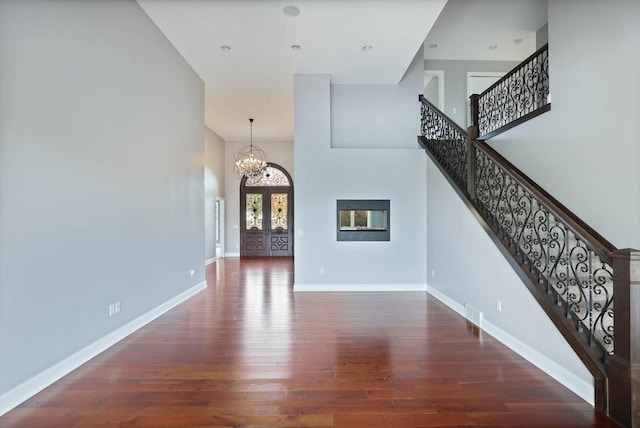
x,y
515,69
591,356
423,100
495,112
575,224
614,371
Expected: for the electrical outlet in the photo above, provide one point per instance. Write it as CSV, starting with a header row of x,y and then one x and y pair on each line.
x,y
499,305
192,273
117,306
433,274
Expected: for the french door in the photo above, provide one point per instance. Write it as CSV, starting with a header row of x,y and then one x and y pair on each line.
x,y
266,218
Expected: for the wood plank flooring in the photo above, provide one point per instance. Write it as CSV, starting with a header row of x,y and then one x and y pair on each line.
x,y
250,352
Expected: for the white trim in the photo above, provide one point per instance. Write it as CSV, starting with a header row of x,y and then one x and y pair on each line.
x,y
471,74
37,383
209,261
359,287
220,248
446,300
232,255
486,73
580,387
428,75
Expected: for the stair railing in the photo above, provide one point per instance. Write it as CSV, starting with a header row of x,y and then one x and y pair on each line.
x,y
520,95
447,140
570,259
570,269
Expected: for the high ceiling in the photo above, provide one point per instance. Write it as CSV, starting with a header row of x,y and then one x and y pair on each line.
x,y
255,77
489,30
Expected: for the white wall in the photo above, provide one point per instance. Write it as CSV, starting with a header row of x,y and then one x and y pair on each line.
x,y
101,183
361,116
325,174
542,36
278,152
214,186
465,267
586,150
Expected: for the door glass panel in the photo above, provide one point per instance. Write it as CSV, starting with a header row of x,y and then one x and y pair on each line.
x,y
279,210
254,211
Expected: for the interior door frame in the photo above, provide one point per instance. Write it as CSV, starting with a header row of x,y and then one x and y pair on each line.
x,y
266,192
470,75
439,76
219,226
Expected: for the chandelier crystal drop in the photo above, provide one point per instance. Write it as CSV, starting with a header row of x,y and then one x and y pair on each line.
x,y
250,161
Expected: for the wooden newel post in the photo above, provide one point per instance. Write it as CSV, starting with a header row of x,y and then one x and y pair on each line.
x,y
471,149
623,368
473,102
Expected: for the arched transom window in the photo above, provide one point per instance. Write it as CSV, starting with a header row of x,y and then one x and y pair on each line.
x,y
271,176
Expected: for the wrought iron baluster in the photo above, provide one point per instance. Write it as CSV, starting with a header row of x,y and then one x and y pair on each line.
x,y
590,308
523,216
568,278
521,92
547,255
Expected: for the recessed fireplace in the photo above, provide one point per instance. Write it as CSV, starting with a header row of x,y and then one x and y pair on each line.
x,y
363,220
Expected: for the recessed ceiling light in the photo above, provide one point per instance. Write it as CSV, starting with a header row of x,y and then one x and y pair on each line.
x,y
295,48
225,48
291,11
433,45
493,47
517,41
367,48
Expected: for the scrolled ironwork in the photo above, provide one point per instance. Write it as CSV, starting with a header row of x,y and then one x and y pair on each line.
x,y
447,141
521,92
569,267
575,270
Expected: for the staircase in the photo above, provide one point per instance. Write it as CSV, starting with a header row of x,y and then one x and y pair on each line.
x,y
572,271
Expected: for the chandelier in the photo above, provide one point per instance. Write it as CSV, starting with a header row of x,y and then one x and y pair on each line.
x,y
250,161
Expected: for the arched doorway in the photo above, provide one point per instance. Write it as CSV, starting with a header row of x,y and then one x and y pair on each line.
x,y
266,214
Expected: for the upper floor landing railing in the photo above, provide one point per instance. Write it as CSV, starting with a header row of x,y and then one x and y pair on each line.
x,y
520,95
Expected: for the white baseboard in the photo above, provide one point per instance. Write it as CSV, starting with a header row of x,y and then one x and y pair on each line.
x,y
359,287
584,390
232,254
458,307
580,387
30,387
209,261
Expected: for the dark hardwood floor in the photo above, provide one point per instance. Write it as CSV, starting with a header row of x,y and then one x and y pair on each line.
x,y
249,352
